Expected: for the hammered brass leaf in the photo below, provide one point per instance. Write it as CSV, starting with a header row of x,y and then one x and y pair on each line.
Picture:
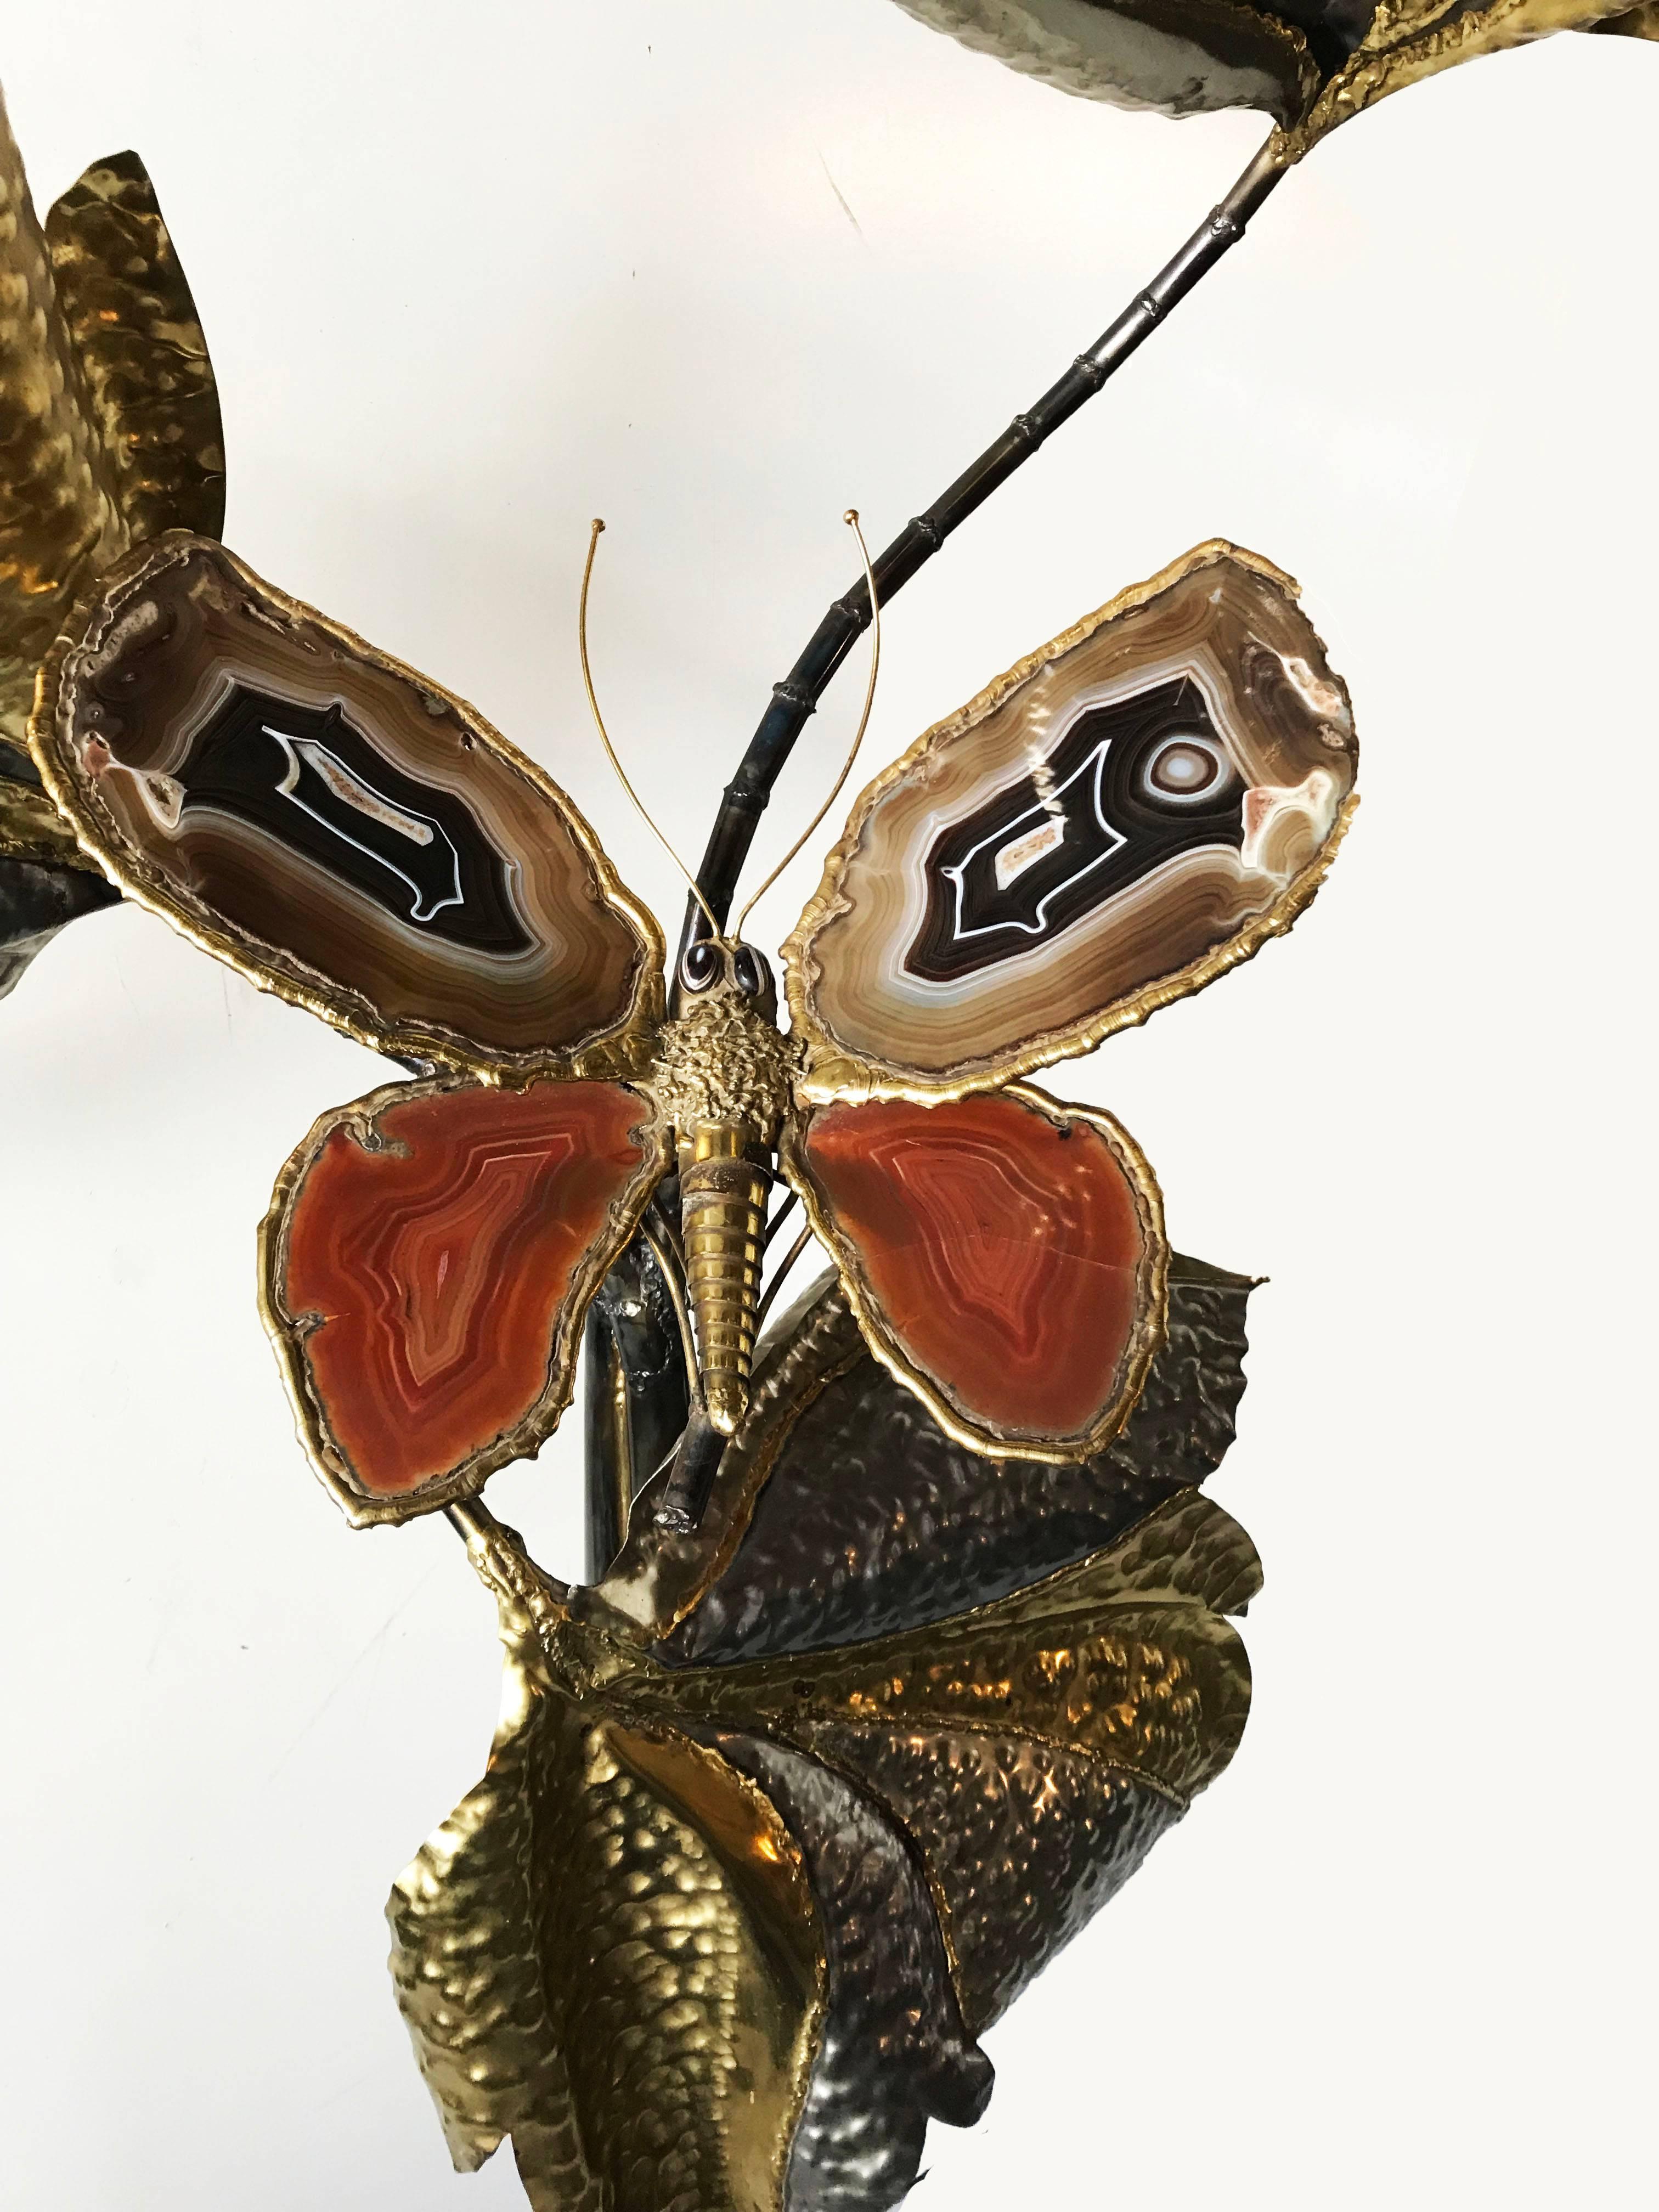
x,y
143,353
628,1949
609,1951
62,519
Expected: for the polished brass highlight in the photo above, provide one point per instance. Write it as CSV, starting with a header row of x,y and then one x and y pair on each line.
x,y
719,1078
1411,39
63,518
109,419
142,352
617,1952
620,772
32,829
723,1197
1150,1290
609,1951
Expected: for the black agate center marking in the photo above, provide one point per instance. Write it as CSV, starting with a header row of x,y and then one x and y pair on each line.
x,y
1129,787
308,778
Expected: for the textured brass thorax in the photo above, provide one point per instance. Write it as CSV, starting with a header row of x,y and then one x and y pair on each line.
x,y
722,1079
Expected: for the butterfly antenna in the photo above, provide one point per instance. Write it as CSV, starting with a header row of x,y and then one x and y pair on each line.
x,y
604,734
851,519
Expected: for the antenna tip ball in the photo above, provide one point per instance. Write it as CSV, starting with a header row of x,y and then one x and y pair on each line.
x,y
851,515
598,524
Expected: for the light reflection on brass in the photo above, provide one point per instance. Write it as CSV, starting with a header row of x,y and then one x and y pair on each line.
x,y
611,1952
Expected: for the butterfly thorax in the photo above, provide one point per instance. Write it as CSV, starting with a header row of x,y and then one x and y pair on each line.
x,y
722,1060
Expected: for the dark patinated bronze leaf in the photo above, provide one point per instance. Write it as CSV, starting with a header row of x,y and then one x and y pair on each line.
x,y
1308,64
875,1521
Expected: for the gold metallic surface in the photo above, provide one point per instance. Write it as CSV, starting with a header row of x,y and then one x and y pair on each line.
x,y
610,1953
62,518
109,420
271,969
620,772
722,1060
32,829
618,1452
1411,39
1640,23
1151,1288
832,1074
134,327
287,1331
723,1198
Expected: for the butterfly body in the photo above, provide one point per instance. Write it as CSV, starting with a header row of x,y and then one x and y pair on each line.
x,y
722,1079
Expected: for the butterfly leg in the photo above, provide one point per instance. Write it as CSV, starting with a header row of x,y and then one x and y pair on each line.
x,y
686,1493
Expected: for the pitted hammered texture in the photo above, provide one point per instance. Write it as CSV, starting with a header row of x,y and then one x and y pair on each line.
x,y
134,326
610,1951
874,1521
687,1984
62,519
893,2051
1027,1843
470,1986
736,1927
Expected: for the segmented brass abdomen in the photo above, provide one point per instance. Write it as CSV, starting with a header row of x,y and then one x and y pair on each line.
x,y
723,1214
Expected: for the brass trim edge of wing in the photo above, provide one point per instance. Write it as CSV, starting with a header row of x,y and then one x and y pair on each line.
x,y
833,1071
612,1048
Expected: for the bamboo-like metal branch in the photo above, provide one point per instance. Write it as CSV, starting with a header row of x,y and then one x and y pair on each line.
x,y
795,698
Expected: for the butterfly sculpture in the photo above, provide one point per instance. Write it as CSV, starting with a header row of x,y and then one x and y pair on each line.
x,y
918,1635
918,1640
1107,827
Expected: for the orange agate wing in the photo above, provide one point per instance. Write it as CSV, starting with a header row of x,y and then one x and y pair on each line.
x,y
332,823
1004,1256
425,1267
1112,823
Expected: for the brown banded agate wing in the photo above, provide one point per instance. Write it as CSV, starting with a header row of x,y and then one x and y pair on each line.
x,y
1005,1256
333,824
425,1267
1108,826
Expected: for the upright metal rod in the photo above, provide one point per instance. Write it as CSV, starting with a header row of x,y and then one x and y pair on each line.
x,y
795,699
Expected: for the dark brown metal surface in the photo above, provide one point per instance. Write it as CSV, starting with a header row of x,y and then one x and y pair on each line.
x,y
875,1521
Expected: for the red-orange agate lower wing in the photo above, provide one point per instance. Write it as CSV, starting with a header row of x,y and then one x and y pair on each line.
x,y
1003,1254
425,1267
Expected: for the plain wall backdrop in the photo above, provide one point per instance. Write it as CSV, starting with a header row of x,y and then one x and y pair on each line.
x,y
715,269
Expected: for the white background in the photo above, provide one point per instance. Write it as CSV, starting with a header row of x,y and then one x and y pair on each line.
x,y
473,274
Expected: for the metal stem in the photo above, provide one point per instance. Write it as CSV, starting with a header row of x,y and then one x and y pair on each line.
x,y
795,699
769,1294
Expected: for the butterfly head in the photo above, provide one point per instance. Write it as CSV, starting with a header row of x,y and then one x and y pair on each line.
x,y
714,968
